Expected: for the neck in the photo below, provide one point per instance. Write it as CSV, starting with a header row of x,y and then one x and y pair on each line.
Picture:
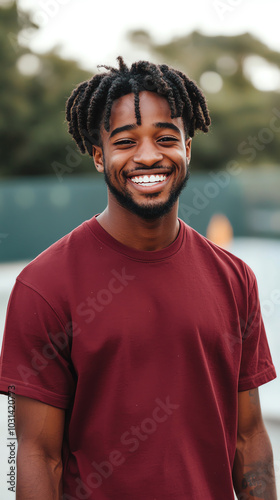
x,y
135,232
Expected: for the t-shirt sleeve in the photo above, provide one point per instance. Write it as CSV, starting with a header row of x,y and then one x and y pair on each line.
x,y
35,358
256,363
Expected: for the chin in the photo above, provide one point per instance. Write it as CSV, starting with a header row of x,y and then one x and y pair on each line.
x,y
147,211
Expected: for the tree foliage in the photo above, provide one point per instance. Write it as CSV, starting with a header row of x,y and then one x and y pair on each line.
x,y
33,132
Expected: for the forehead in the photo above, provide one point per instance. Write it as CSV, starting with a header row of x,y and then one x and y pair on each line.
x,y
153,109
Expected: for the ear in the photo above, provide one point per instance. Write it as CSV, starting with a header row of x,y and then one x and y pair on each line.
x,y
188,149
97,155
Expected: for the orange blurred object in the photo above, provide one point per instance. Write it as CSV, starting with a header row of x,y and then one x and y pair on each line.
x,y
220,230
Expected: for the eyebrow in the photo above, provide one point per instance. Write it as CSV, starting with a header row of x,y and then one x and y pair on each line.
x,y
123,129
167,125
133,126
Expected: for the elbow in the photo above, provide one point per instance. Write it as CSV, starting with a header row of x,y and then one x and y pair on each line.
x,y
29,455
253,432
254,443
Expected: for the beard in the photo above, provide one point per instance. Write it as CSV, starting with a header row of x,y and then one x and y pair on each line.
x,y
147,211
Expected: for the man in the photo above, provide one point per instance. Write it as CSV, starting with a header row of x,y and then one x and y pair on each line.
x,y
134,344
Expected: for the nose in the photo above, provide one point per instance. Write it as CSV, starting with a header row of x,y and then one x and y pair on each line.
x,y
148,154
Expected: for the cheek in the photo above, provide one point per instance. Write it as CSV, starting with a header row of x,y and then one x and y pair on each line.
x,y
180,158
118,157
115,166
179,152
182,153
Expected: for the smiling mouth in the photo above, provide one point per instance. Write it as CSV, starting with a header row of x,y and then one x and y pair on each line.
x,y
149,180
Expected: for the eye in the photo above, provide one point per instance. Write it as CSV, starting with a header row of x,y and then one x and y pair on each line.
x,y
168,139
124,142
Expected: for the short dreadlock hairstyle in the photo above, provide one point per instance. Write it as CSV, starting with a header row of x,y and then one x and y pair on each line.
x,y
91,102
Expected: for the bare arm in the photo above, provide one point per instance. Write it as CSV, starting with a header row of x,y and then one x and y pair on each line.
x,y
39,429
253,471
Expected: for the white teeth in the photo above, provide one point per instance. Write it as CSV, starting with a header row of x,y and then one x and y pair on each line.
x,y
148,179
148,184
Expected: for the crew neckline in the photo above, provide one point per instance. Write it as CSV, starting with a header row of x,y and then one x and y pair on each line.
x,y
144,255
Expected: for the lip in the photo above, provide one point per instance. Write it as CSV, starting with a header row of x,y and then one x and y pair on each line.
x,y
150,189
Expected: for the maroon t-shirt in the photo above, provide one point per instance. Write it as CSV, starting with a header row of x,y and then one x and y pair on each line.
x,y
146,351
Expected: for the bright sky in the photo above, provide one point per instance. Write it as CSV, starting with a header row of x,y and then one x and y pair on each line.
x,y
93,31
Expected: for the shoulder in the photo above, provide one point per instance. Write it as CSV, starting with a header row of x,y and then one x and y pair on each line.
x,y
217,260
51,267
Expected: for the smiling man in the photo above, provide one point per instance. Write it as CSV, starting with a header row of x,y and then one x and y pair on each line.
x,y
134,345
145,167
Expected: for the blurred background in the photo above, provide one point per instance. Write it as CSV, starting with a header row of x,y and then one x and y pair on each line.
x,y
231,48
